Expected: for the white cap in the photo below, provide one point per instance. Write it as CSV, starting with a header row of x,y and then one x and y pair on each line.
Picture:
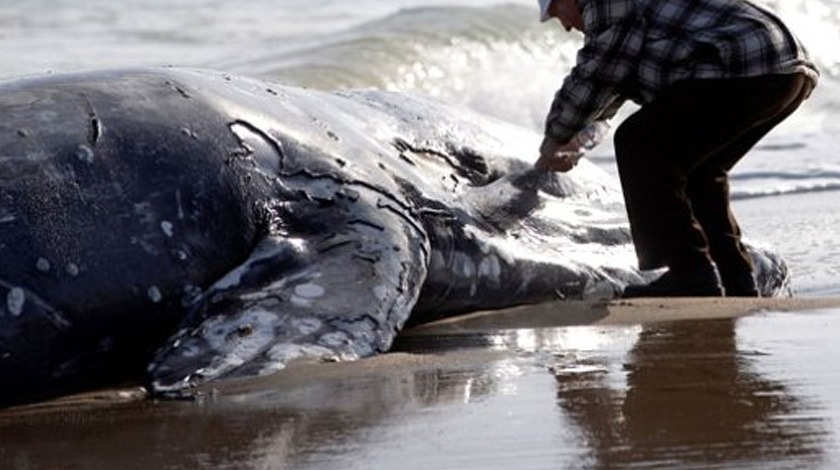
x,y
544,4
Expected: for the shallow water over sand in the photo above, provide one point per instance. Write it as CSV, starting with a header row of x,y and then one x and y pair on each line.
x,y
803,228
757,392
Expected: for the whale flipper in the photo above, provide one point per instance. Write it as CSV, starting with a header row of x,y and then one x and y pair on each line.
x,y
321,287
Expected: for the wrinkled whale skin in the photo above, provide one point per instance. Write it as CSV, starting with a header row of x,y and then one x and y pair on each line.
x,y
180,226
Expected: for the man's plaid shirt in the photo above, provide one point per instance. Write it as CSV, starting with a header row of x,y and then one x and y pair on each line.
x,y
633,49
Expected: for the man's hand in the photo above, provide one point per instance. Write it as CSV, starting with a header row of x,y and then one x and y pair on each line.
x,y
555,156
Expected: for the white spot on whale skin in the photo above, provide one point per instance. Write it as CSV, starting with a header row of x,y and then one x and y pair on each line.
x,y
300,301
463,266
180,255
154,294
190,351
15,300
187,132
491,269
334,340
72,269
43,265
168,228
180,204
85,153
380,292
307,326
309,291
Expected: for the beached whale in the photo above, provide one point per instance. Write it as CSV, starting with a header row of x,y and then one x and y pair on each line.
x,y
180,226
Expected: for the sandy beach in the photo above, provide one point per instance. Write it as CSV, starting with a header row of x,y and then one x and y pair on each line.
x,y
649,383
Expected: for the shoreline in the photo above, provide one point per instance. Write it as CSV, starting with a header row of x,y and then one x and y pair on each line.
x,y
616,312
649,381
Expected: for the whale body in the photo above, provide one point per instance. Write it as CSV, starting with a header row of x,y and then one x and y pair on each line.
x,y
180,226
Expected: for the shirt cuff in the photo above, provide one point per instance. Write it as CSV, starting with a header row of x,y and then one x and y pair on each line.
x,y
559,132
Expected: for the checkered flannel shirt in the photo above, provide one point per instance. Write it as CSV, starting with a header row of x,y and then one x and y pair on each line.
x,y
633,49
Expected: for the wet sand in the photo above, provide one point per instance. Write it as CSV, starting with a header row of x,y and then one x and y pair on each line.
x,y
642,384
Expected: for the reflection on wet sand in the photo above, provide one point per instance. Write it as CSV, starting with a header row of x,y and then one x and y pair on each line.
x,y
692,394
691,400
294,420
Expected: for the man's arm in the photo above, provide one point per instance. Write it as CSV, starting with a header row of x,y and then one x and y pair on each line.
x,y
612,44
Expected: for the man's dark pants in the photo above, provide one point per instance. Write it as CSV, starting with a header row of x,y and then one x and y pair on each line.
x,y
674,156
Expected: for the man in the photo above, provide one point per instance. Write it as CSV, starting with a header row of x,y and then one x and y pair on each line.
x,y
712,78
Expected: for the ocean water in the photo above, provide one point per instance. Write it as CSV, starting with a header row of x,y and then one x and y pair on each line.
x,y
489,56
